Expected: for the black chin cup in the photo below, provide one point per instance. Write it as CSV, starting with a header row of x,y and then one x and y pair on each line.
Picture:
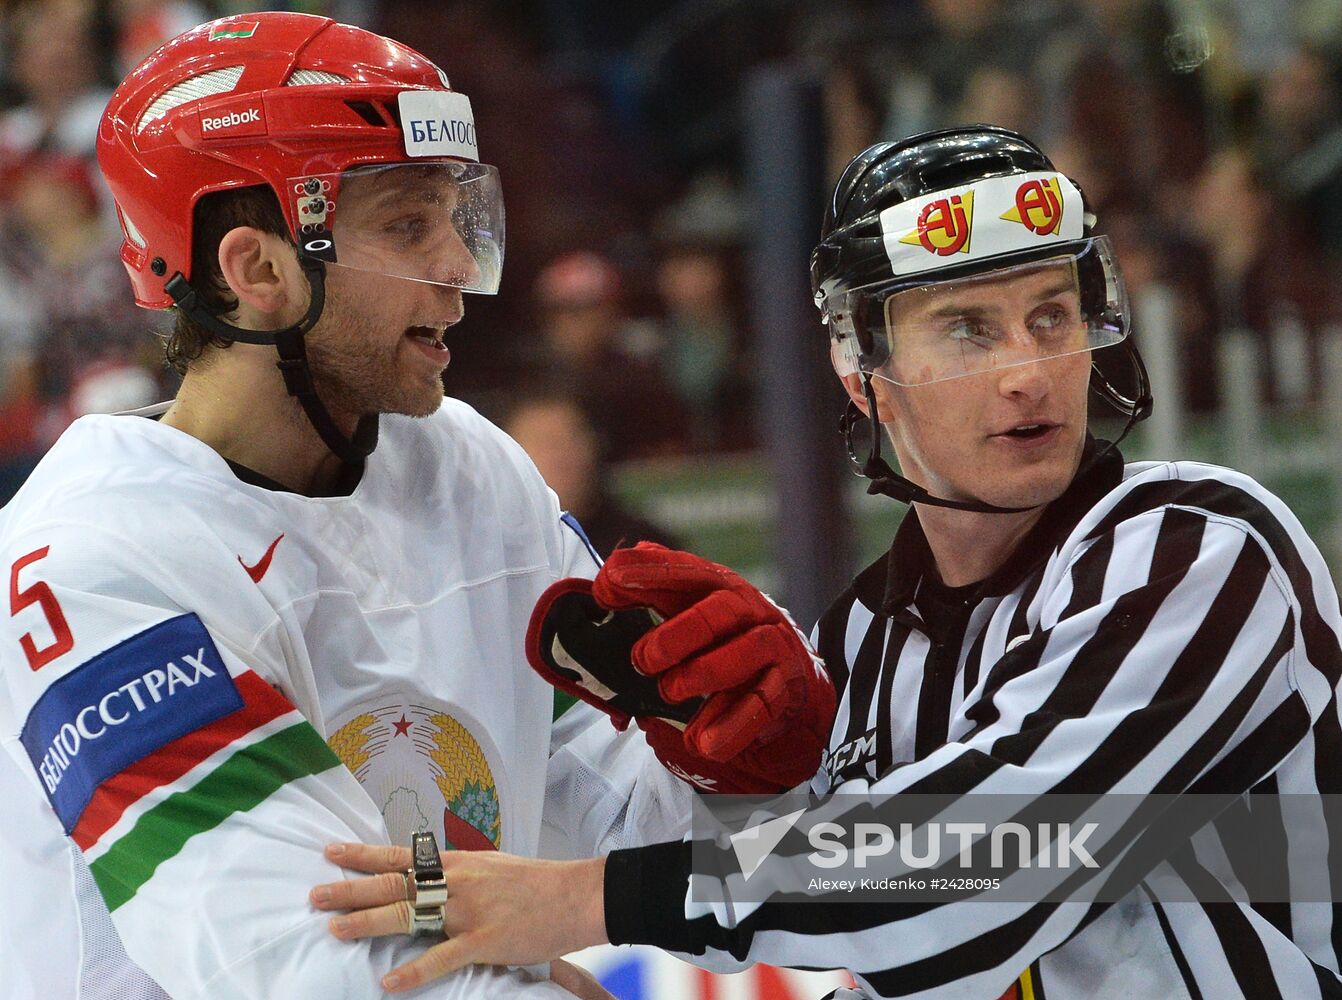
x,y
1128,392
293,363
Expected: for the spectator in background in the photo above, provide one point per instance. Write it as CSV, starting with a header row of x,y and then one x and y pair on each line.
x,y
551,426
19,406
1261,272
1106,77
702,344
1002,96
853,104
574,178
58,256
588,339
56,68
1099,177
938,52
1298,140
144,25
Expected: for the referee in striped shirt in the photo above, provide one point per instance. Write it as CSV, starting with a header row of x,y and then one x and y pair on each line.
x,y
1047,620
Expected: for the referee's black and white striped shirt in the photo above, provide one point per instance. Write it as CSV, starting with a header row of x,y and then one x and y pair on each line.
x,y
1165,627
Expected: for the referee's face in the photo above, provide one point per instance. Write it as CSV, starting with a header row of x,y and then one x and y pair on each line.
x,y
1011,435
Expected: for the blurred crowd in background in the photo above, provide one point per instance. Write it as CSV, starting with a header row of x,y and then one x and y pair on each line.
x,y
1206,133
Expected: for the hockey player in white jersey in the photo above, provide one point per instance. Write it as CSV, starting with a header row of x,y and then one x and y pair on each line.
x,y
290,610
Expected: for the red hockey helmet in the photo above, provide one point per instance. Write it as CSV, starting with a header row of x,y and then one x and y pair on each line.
x,y
304,105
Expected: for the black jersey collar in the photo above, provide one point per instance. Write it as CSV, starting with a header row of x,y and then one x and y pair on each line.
x,y
889,584
345,482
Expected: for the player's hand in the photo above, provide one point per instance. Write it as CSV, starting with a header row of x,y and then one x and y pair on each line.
x,y
578,981
501,909
727,689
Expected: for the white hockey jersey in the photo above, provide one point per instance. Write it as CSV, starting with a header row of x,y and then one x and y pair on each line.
x,y
208,680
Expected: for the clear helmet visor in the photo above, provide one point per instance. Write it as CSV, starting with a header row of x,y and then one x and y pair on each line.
x,y
913,332
437,222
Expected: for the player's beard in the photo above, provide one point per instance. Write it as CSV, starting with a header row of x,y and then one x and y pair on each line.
x,y
359,367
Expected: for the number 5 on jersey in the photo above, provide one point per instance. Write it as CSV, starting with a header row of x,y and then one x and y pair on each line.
x,y
40,594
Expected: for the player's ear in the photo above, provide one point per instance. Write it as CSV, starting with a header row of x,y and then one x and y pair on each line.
x,y
852,384
262,272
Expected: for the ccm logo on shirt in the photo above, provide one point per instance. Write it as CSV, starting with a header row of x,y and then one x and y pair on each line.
x,y
851,758
116,709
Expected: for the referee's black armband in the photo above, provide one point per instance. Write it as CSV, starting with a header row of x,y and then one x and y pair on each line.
x,y
644,896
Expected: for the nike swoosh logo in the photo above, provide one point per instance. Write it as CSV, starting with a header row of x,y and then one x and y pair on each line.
x,y
259,570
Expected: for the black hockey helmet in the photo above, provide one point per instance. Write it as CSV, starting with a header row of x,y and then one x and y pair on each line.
x,y
946,206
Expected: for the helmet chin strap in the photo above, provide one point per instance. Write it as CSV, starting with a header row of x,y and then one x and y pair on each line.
x,y
293,362
886,482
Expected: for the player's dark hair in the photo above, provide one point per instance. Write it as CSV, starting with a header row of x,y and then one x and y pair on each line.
x,y
214,216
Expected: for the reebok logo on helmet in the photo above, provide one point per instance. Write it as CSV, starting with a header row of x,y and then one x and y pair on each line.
x,y
233,122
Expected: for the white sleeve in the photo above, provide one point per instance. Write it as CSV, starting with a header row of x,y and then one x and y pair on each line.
x,y
199,797
43,915
605,790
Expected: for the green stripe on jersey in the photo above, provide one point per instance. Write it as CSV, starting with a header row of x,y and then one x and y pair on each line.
x,y
240,783
563,702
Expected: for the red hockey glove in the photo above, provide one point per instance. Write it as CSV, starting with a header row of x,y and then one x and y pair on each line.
x,y
727,690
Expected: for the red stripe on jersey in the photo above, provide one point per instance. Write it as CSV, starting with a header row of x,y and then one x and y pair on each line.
x,y
261,704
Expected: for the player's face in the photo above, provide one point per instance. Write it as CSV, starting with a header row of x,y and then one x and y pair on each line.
x,y
415,221
1013,435
378,347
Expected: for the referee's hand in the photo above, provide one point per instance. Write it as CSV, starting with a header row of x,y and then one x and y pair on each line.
x,y
501,909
